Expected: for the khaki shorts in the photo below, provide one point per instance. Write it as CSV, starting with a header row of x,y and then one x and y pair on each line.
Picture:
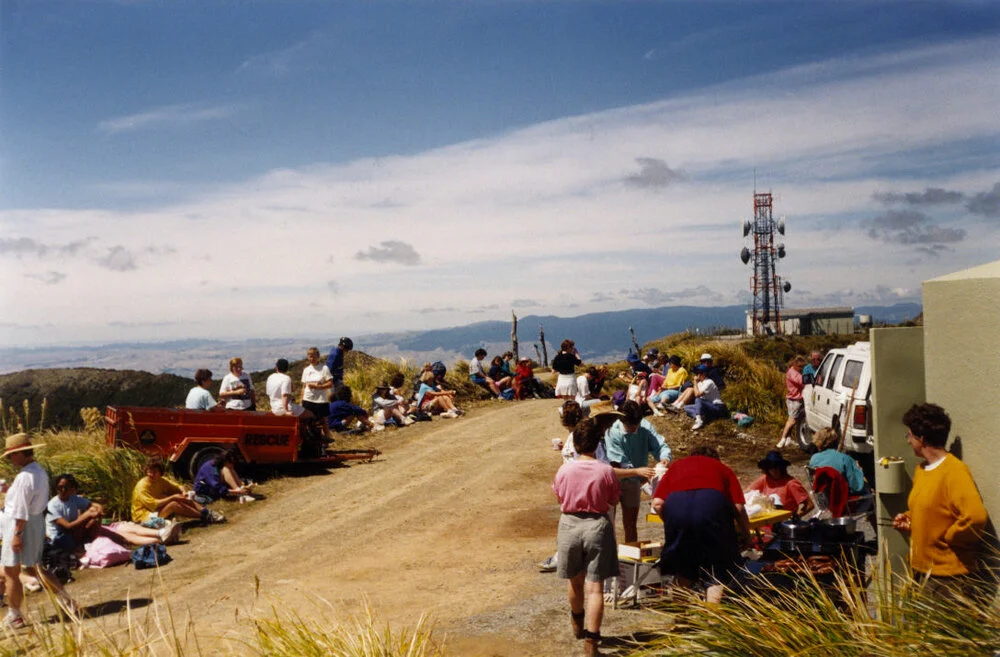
x,y
796,410
586,542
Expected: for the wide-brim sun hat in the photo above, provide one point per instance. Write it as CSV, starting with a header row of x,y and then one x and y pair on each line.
x,y
774,459
604,407
19,442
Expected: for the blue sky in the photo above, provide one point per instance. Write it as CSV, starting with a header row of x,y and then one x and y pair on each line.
x,y
217,169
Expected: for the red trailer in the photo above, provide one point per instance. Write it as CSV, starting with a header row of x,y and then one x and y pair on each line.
x,y
188,438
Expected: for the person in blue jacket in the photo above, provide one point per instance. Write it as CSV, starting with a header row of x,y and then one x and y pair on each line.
x,y
335,363
217,479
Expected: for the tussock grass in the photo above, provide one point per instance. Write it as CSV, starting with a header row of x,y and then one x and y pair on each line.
x,y
753,386
895,617
281,634
154,630
363,378
106,474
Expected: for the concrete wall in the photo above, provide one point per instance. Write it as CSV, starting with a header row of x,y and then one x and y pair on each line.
x,y
897,356
962,367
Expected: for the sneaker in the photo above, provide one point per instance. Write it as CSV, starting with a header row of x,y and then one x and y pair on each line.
x,y
32,585
164,534
408,421
246,499
698,423
378,427
548,566
449,414
14,622
216,518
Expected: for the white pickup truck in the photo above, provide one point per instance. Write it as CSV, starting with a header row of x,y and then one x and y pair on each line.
x,y
841,396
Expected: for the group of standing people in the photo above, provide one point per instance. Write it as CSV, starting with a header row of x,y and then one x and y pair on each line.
x,y
702,505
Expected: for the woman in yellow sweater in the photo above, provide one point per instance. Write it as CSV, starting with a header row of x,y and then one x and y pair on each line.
x,y
945,516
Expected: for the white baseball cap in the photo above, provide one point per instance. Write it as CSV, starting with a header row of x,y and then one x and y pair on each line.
x,y
706,356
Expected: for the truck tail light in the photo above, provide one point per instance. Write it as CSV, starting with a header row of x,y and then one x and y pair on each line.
x,y
860,416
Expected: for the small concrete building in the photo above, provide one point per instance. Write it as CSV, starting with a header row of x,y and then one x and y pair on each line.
x,y
813,321
951,361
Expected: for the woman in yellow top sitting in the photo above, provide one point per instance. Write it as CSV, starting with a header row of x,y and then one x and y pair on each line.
x,y
670,389
945,516
156,493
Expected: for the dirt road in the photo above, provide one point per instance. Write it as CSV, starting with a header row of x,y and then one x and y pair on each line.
x,y
450,523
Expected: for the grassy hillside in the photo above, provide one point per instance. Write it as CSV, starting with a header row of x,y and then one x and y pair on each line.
x,y
66,391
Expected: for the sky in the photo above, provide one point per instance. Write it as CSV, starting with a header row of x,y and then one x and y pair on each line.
x,y
174,169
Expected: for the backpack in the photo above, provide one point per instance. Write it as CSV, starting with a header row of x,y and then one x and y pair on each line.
x,y
507,393
150,556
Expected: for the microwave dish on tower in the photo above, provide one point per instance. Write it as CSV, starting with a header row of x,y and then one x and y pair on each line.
x,y
766,286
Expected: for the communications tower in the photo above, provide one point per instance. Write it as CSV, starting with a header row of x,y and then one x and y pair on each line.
x,y
766,285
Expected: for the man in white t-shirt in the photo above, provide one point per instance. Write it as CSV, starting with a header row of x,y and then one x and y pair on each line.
x,y
22,528
279,390
708,402
583,395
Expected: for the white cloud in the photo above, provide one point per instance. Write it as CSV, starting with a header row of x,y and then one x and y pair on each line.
x,y
545,214
167,116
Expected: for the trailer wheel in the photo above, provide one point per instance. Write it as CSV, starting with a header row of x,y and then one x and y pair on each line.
x,y
202,456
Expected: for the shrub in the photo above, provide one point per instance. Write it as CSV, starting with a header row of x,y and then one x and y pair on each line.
x,y
895,617
106,474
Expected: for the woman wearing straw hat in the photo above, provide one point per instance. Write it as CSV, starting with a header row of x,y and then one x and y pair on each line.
x,y
23,529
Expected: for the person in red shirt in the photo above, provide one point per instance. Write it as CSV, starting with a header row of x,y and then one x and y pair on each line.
x,y
777,481
701,503
587,489
794,386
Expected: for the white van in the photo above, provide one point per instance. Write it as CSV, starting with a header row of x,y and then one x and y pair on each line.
x,y
841,395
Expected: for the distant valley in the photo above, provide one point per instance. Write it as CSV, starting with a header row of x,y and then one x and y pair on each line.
x,y
600,337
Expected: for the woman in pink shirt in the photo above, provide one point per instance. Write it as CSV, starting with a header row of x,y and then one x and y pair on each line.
x,y
793,399
587,489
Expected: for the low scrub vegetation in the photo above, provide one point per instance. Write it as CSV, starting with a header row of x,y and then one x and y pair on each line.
x,y
894,617
106,474
154,629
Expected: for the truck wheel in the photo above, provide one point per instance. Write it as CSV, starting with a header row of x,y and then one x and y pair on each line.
x,y
201,457
805,434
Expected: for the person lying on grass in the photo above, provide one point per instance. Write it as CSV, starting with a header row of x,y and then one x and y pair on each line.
x,y
587,489
157,494
73,521
217,479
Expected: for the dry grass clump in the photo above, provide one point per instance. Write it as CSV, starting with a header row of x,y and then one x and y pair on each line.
x,y
363,635
753,386
153,630
105,474
363,378
896,618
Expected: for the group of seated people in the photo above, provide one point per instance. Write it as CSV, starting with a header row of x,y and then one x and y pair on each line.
x,y
661,383
504,378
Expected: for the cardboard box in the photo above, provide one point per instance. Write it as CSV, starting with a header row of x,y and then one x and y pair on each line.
x,y
640,550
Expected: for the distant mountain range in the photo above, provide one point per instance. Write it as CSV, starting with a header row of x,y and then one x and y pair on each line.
x,y
600,337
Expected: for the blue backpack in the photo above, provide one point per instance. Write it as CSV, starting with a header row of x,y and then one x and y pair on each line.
x,y
150,556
